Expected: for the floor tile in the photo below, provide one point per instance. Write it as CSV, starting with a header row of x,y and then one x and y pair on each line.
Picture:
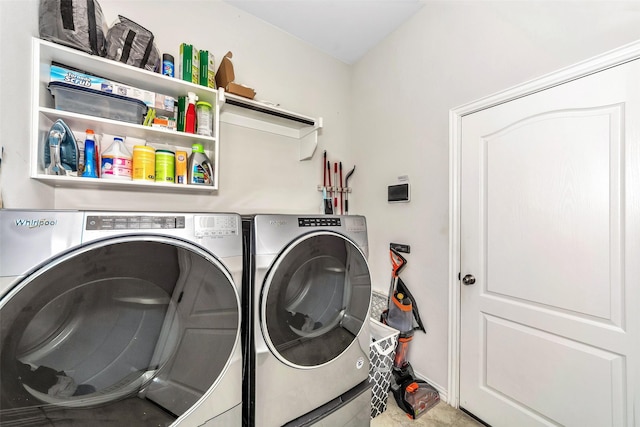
x,y
441,415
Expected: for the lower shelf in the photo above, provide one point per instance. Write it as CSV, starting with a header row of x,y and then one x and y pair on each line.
x,y
109,184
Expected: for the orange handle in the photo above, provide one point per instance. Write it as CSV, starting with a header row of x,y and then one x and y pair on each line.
x,y
397,262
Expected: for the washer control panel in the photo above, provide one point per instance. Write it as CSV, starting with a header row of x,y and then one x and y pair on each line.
x,y
135,222
215,225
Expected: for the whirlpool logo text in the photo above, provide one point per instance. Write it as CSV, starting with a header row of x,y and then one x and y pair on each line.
x,y
35,223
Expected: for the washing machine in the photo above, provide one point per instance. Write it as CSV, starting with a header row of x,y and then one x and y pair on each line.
x,y
120,319
307,294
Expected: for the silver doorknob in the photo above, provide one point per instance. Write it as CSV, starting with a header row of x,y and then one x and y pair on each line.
x,y
468,280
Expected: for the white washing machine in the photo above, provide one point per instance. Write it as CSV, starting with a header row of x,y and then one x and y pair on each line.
x,y
307,289
120,319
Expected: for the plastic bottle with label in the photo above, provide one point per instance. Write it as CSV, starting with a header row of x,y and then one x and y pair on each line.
x,y
116,161
90,168
200,170
167,65
204,112
190,115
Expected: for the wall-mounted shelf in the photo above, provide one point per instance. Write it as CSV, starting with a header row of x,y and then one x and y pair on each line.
x,y
257,115
44,114
114,184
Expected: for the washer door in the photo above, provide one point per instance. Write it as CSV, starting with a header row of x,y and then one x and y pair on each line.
x,y
315,299
99,331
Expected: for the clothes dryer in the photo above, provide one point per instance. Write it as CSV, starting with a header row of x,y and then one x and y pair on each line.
x,y
120,319
307,290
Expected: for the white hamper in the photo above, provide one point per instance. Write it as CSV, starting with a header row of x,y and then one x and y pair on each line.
x,y
381,353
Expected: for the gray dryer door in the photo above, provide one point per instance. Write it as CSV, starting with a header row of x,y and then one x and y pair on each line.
x,y
315,299
99,332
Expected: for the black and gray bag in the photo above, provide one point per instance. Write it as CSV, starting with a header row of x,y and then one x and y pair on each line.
x,y
79,24
132,44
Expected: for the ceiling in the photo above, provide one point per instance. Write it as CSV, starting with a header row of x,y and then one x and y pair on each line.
x,y
344,29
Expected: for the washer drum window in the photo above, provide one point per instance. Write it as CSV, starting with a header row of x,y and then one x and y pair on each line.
x,y
115,322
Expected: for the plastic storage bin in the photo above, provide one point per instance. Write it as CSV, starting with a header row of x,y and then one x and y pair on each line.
x,y
384,340
77,99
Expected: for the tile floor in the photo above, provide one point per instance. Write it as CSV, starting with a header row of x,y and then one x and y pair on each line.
x,y
441,415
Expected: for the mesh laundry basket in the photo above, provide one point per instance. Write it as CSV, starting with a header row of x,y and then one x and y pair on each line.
x,y
381,353
378,304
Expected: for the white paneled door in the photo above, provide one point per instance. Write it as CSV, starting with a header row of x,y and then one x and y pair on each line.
x,y
550,231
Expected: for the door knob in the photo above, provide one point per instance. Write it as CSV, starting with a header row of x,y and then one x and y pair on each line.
x,y
468,280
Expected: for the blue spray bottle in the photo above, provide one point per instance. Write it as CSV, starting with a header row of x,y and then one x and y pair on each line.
x,y
90,155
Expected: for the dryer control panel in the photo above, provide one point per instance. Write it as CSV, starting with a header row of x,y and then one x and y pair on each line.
x,y
319,222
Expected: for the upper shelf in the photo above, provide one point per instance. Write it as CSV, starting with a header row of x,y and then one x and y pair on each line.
x,y
245,112
117,71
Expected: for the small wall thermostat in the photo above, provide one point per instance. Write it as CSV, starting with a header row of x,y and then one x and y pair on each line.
x,y
398,193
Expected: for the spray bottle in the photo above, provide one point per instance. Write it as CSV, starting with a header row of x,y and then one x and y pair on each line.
x,y
90,166
190,115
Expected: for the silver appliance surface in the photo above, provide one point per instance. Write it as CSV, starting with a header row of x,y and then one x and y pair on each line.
x,y
120,317
354,414
310,295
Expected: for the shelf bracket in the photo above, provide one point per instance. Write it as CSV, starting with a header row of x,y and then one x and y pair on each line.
x,y
309,141
267,118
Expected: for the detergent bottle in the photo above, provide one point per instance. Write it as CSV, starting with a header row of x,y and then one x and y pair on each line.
x,y
200,168
116,161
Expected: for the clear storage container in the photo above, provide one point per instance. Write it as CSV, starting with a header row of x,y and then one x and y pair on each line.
x,y
77,99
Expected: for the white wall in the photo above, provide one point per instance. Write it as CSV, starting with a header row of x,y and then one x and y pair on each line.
x,y
451,53
259,172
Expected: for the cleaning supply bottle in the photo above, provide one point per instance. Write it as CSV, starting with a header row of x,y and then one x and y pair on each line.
x,y
200,170
90,155
190,115
116,161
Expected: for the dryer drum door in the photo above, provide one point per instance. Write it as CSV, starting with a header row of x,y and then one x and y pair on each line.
x,y
315,299
105,329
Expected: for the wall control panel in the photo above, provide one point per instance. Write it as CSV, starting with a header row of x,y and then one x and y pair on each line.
x,y
398,193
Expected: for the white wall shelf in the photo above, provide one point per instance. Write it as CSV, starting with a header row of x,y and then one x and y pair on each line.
x,y
115,184
257,115
44,115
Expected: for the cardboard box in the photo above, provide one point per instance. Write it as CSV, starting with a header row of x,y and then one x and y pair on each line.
x,y
164,102
65,75
189,63
181,167
149,98
58,73
240,90
207,69
225,77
